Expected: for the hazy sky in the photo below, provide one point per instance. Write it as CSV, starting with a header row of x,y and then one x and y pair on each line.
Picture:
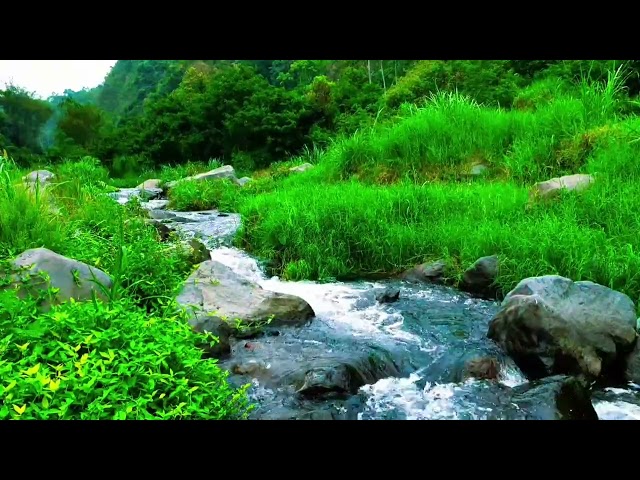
x,y
45,77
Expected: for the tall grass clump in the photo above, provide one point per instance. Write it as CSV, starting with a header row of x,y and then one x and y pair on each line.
x,y
447,133
192,195
450,133
170,173
27,218
542,92
117,239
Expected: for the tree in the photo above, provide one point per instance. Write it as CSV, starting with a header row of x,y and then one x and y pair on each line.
x,y
24,118
82,124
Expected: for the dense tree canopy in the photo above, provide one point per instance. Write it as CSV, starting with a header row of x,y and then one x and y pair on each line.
x,y
254,112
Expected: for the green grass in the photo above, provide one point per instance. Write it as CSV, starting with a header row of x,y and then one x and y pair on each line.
x,y
227,195
386,199
445,137
364,230
193,195
132,358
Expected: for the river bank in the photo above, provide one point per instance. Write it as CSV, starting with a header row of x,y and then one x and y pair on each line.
x,y
376,360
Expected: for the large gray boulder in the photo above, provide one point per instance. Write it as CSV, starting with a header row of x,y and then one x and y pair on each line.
x,y
39,269
551,188
220,301
552,325
152,183
39,176
226,171
480,278
430,272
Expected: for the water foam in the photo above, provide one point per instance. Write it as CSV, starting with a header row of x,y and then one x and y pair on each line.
x,y
333,303
438,401
616,410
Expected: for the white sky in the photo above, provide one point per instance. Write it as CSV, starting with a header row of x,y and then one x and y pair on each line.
x,y
47,77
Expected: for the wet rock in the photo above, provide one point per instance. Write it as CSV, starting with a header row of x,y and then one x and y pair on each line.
x,y
39,269
148,194
243,181
301,168
161,214
214,230
456,367
164,232
181,217
552,325
199,252
387,295
343,377
483,368
632,371
155,204
252,368
480,278
319,414
215,289
153,183
320,381
430,272
312,370
551,188
224,172
217,327
555,398
295,409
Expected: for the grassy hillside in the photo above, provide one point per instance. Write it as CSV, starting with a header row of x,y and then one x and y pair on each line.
x,y
400,194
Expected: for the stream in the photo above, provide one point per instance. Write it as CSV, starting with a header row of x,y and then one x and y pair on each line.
x,y
408,353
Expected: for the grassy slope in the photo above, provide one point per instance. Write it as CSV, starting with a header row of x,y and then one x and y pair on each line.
x,y
384,200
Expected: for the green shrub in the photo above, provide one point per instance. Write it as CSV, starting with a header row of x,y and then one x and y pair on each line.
x,y
488,82
93,361
541,92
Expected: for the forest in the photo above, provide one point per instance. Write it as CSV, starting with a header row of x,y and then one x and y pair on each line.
x,y
410,161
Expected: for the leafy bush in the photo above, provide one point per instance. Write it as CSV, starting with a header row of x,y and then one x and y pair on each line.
x,y
93,361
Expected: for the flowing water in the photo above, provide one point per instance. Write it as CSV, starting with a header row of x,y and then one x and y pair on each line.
x,y
418,342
